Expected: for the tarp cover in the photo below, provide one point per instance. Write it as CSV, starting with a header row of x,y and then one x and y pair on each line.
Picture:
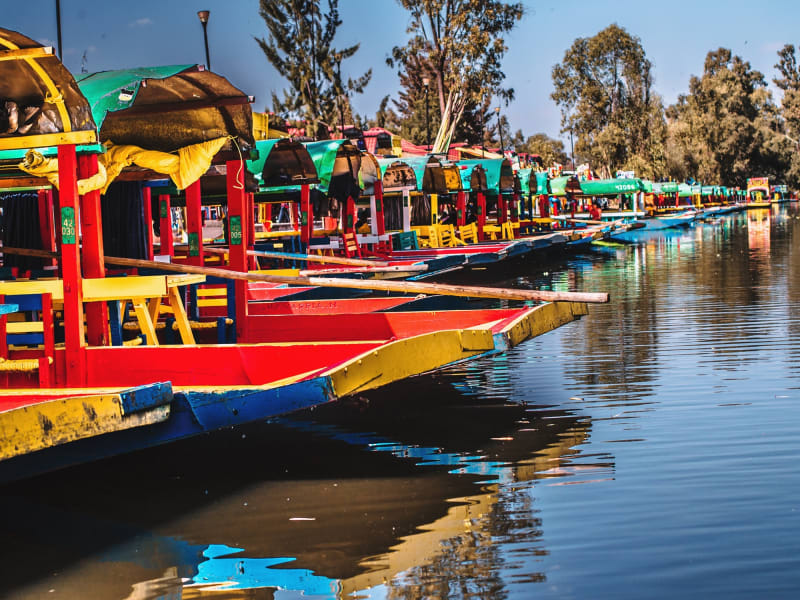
x,y
665,187
499,174
396,174
610,187
22,84
167,108
473,177
332,158
282,164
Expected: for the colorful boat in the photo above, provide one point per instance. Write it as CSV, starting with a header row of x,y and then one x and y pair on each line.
x,y
758,193
75,388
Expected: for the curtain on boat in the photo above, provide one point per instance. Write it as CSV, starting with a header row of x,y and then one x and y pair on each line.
x,y
124,229
20,228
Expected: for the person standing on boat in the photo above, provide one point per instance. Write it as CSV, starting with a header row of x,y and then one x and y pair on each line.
x,y
595,212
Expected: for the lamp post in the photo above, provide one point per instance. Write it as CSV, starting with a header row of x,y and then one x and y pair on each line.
x,y
203,16
571,150
58,28
499,129
426,82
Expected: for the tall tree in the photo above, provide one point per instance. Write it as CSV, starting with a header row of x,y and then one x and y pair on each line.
x,y
300,47
460,44
604,87
727,128
551,151
788,81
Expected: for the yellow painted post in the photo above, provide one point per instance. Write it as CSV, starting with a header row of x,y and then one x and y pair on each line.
x,y
434,208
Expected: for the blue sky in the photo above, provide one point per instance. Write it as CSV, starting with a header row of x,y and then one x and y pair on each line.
x,y
676,36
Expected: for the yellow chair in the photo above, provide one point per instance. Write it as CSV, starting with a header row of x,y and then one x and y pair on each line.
x,y
468,233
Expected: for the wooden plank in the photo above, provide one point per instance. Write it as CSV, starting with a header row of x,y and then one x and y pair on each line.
x,y
123,288
54,287
25,327
7,309
24,142
145,322
21,53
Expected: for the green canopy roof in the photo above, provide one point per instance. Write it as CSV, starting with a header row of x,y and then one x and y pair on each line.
x,y
499,173
396,173
525,180
684,190
332,158
168,107
610,187
473,176
647,186
665,187
282,165
707,190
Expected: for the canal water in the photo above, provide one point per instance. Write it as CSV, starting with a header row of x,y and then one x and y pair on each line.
x,y
646,451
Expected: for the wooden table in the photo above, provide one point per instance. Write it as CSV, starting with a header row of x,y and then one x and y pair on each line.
x,y
144,291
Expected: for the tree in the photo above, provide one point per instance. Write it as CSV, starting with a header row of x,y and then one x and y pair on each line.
x,y
459,44
727,128
789,83
551,151
604,87
300,47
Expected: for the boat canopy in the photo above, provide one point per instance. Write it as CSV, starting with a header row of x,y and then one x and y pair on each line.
x,y
43,104
647,186
282,164
524,176
708,190
559,186
452,177
167,108
610,187
396,174
333,158
473,176
684,190
429,173
665,187
499,174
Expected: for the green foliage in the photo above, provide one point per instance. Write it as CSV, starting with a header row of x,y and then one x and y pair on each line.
x,y
300,47
551,151
727,128
604,89
459,45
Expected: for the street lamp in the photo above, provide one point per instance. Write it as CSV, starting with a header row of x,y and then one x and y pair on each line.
x,y
499,129
338,58
203,16
426,82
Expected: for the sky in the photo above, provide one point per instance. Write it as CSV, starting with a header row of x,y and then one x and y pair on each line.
x,y
676,36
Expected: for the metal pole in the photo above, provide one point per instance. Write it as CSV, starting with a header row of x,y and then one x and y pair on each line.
x,y
203,16
426,82
571,150
500,130
58,28
339,76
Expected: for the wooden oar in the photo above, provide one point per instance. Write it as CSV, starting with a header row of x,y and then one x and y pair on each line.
x,y
405,287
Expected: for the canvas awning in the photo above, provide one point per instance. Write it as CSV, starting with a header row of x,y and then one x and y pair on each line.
x,y
41,102
429,174
499,174
610,187
396,174
167,108
665,187
473,176
333,158
282,164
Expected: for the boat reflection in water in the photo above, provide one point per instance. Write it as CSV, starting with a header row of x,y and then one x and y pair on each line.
x,y
401,495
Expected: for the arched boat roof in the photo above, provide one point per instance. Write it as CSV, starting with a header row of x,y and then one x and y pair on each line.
x,y
282,163
169,107
397,174
31,75
473,176
429,173
333,158
499,174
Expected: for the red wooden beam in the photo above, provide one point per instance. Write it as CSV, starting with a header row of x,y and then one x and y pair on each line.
x,y
194,224
74,342
238,229
93,263
481,215
306,214
148,219
379,217
165,215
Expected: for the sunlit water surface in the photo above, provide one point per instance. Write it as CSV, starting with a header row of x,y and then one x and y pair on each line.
x,y
646,451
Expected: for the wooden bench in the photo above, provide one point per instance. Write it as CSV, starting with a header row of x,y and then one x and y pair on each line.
x,y
38,333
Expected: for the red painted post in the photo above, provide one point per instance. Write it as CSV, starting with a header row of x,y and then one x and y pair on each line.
x,y
148,219
461,208
379,217
252,262
165,216
481,215
306,214
238,242
94,265
677,199
69,217
194,224
502,211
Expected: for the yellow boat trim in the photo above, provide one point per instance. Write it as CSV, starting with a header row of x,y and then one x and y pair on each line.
x,y
411,356
542,319
46,424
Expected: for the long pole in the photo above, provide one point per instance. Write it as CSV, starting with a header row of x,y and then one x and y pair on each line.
x,y
427,123
205,39
341,90
571,150
58,28
500,130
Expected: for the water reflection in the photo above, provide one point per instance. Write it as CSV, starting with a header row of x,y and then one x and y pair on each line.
x,y
417,482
